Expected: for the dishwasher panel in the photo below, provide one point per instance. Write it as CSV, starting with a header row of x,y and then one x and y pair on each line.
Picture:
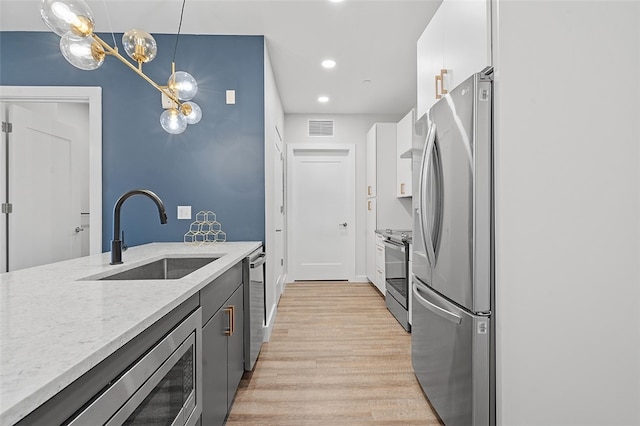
x,y
254,310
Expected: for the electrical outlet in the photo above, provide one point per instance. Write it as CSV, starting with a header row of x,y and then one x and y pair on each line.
x,y
184,212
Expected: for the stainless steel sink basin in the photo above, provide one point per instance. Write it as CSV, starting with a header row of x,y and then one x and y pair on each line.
x,y
169,268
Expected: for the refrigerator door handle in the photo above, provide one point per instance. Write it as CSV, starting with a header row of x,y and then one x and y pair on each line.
x,y
424,172
449,316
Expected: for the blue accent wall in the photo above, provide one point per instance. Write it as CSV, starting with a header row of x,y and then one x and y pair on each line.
x,y
217,164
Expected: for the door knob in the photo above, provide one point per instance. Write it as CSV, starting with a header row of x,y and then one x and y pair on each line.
x,y
343,224
79,229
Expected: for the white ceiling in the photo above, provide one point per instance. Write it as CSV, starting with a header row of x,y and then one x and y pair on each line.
x,y
370,40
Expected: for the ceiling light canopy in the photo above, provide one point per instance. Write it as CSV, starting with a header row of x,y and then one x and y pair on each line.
x,y
323,99
73,21
329,63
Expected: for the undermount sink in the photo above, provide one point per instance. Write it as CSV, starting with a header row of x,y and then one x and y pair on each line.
x,y
168,268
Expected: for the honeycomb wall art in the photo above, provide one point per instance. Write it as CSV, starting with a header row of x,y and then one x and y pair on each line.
x,y
205,229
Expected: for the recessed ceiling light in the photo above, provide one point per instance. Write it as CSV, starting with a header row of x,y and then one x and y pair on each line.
x,y
335,1
323,99
329,63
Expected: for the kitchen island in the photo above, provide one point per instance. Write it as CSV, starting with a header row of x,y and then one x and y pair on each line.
x,y
58,321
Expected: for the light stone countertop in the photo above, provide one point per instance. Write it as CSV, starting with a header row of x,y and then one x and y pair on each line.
x,y
56,326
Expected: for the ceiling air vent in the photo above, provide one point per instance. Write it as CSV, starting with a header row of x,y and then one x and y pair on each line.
x,y
322,128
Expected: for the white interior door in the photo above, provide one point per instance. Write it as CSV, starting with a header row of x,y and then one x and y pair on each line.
x,y
278,178
80,107
44,190
321,191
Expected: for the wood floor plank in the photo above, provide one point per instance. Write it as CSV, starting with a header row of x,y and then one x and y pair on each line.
x,y
336,356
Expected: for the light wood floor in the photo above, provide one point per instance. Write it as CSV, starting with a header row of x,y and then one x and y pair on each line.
x,y
336,357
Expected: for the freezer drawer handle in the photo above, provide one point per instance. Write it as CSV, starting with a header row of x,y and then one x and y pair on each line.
x,y
450,316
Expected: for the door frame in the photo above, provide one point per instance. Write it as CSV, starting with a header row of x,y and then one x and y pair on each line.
x,y
291,213
93,97
278,144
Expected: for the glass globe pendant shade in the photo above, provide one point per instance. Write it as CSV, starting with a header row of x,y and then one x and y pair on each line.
x,y
183,85
173,121
83,53
139,45
68,15
195,114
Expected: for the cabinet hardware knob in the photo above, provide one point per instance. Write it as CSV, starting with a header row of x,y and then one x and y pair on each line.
x,y
368,205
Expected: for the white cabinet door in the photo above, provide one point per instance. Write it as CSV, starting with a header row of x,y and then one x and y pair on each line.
x,y
404,132
384,208
380,269
466,39
430,50
457,40
370,240
371,161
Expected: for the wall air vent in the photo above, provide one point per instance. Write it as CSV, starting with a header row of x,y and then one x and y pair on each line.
x,y
321,128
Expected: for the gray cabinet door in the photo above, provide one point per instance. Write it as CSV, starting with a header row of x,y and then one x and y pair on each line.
x,y
214,369
235,346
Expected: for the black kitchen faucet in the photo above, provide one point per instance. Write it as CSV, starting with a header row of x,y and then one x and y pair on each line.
x,y
116,243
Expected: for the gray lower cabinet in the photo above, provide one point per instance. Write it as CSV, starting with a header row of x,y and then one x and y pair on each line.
x,y
222,345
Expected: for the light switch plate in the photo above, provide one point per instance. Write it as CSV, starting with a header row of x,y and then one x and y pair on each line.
x,y
231,97
184,212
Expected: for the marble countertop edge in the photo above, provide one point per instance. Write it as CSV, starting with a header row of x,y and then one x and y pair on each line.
x,y
25,387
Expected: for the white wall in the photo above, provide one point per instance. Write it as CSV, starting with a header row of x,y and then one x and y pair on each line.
x,y
274,118
349,129
567,212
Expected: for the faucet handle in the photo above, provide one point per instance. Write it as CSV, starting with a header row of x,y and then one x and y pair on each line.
x,y
124,246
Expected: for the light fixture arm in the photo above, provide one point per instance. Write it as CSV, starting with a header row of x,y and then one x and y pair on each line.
x,y
73,21
114,52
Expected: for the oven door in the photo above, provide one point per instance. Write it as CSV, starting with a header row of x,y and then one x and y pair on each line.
x,y
396,264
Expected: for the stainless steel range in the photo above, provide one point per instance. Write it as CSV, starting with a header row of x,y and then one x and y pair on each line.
x,y
396,273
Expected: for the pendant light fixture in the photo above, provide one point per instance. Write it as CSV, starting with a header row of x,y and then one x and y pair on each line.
x,y
73,21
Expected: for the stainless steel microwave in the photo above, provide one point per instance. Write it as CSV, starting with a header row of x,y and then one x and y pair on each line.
x,y
163,387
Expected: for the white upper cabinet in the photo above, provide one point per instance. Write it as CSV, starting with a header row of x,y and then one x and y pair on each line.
x,y
404,134
371,161
455,44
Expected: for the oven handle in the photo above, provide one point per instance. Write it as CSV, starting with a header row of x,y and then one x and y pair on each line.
x,y
394,245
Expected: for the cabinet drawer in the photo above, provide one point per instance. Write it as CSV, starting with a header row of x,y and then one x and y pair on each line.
x,y
380,279
380,257
213,296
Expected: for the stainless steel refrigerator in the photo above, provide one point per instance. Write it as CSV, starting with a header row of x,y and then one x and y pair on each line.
x,y
452,275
